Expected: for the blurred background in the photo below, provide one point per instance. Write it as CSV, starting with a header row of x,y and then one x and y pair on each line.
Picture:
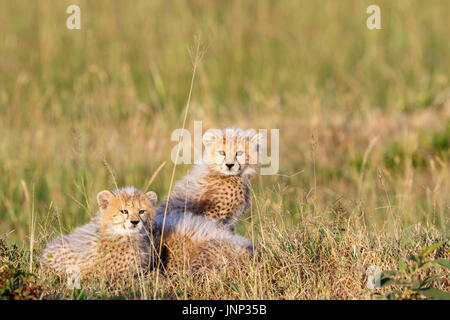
x,y
364,115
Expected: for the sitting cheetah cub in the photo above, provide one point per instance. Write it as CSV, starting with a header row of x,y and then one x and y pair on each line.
x,y
218,187
114,243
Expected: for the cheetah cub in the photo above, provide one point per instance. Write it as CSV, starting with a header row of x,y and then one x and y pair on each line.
x,y
114,243
193,243
218,187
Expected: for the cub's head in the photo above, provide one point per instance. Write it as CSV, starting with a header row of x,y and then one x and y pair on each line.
x,y
232,151
126,210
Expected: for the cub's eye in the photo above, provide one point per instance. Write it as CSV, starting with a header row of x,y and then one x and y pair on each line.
x,y
141,211
222,153
124,211
239,153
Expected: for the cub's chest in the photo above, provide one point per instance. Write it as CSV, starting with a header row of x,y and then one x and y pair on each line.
x,y
224,196
122,253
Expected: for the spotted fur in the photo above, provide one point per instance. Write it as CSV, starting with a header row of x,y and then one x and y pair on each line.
x,y
192,243
213,189
116,242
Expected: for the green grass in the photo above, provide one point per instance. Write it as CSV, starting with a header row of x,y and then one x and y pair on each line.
x,y
363,117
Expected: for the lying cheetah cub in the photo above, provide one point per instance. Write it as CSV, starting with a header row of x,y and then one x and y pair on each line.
x,y
114,243
218,187
194,243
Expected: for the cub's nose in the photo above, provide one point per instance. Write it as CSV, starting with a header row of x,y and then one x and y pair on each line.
x,y
134,222
229,165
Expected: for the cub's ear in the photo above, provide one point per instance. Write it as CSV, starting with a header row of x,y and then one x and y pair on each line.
x,y
211,136
103,198
152,197
257,141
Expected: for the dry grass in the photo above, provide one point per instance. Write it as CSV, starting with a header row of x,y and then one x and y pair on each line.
x,y
364,119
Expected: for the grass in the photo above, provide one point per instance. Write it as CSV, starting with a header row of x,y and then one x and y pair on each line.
x,y
363,117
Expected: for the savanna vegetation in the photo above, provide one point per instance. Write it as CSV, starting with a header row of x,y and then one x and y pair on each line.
x,y
363,116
